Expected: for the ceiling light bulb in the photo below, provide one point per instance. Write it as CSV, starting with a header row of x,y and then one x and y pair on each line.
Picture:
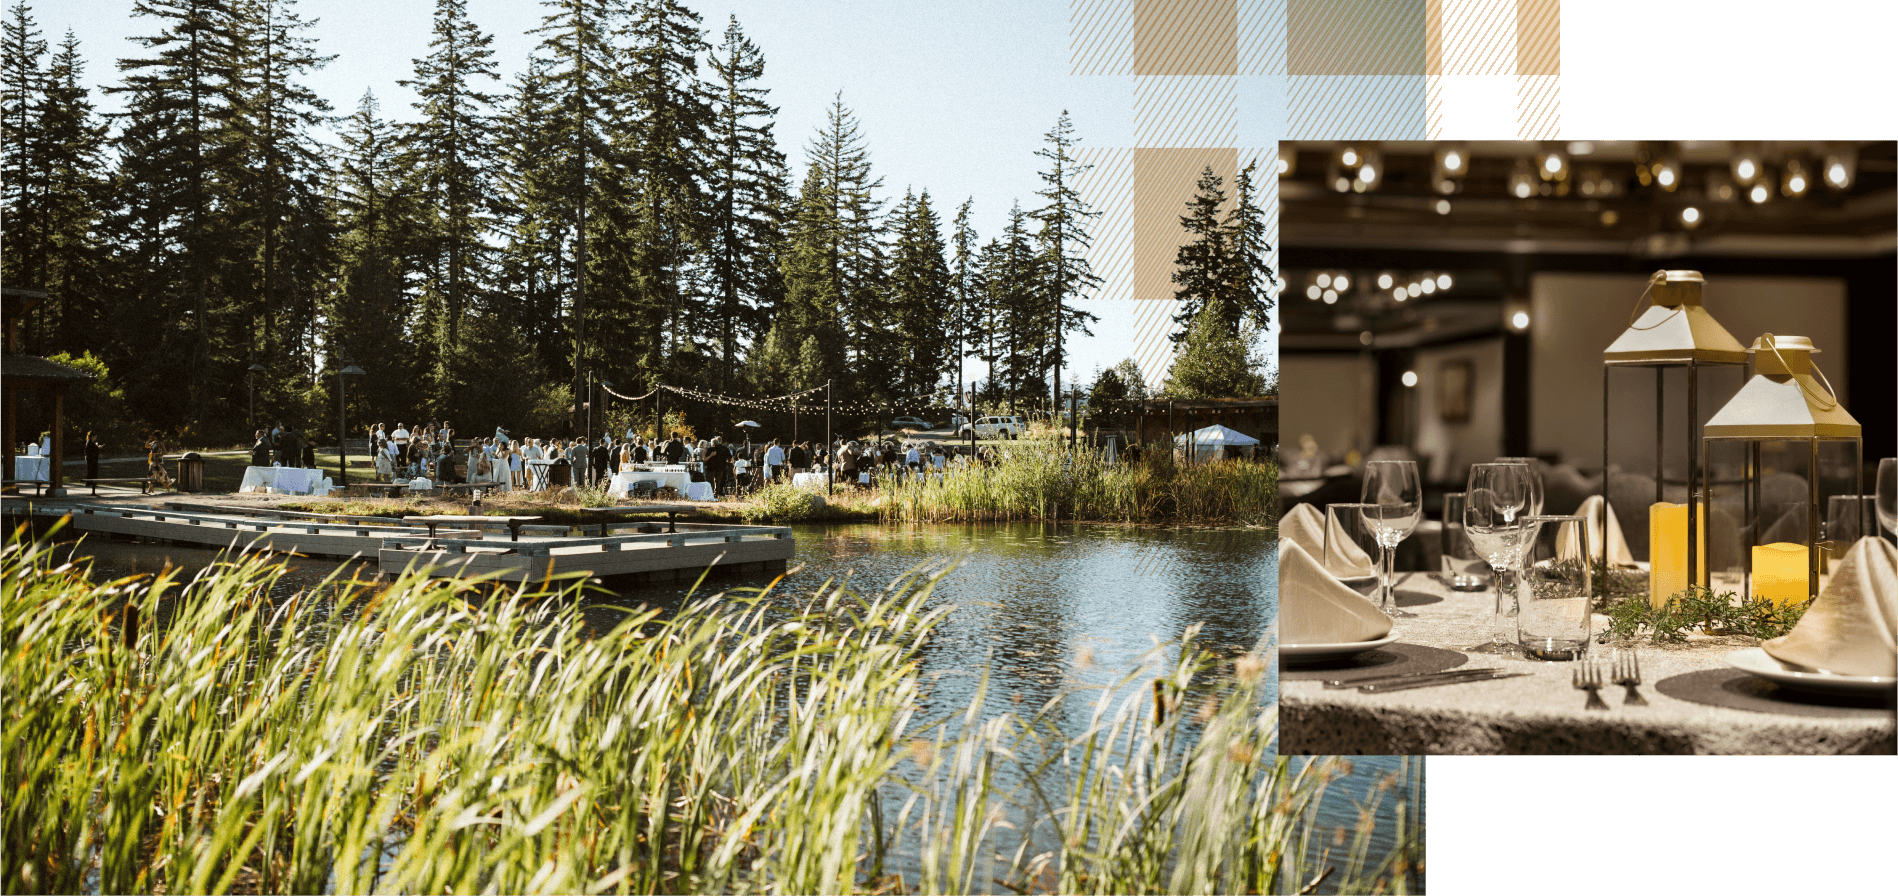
x,y
1746,170
1443,206
1443,281
1690,216
1835,175
1410,378
1609,218
1520,319
1665,177
1284,167
1523,191
1552,164
1384,281
1453,160
1349,158
1341,283
1331,297
1342,184
1759,193
1313,292
1429,286
1324,278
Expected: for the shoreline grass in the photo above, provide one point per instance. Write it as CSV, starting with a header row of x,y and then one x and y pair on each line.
x,y
431,735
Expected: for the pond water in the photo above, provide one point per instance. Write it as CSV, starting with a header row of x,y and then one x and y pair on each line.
x,y
1055,613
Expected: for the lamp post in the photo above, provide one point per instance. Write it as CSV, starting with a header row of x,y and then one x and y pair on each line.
x,y
255,368
608,389
342,428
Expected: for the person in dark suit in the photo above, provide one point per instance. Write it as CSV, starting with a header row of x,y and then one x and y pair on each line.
x,y
260,452
92,457
601,469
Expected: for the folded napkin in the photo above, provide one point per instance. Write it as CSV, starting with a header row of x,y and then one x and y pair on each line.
x,y
1601,515
1316,608
1305,524
1849,628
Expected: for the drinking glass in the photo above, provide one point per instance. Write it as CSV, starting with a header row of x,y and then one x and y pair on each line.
x,y
1888,494
1463,568
1493,516
1534,507
1350,543
1553,588
1393,493
1846,518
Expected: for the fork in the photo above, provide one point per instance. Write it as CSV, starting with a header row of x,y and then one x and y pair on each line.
x,y
1587,676
1626,671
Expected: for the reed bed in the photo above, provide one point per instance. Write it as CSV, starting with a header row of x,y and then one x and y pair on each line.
x,y
458,736
1032,482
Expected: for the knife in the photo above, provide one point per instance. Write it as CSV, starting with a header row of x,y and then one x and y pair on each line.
x,y
1338,683
1407,685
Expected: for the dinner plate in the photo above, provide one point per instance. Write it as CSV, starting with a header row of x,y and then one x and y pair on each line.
x,y
1759,662
1312,653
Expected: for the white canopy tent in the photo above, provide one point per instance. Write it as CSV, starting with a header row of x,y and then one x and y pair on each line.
x,y
1213,443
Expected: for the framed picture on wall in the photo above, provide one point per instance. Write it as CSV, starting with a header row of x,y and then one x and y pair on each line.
x,y
1453,390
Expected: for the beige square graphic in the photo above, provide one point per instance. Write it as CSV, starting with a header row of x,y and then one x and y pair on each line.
x,y
1355,37
1186,37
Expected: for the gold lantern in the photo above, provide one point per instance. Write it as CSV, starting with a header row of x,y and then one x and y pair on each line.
x,y
1675,332
1786,422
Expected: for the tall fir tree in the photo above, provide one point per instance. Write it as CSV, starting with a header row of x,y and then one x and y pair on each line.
x,y
22,86
1200,267
1249,276
748,199
535,217
1064,220
176,147
921,302
70,156
852,228
369,309
963,273
449,156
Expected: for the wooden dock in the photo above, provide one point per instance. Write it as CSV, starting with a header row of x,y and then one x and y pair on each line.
x,y
631,550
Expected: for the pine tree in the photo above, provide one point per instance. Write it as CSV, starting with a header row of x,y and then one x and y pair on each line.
x,y
70,158
920,297
852,227
1064,240
812,282
368,311
1201,265
963,274
1249,278
1019,290
449,154
748,199
23,80
665,143
536,217
176,148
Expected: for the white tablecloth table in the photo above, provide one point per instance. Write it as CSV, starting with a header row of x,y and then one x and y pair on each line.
x,y
32,468
623,481
808,480
290,480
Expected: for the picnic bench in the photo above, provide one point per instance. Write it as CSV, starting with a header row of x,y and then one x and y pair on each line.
x,y
514,523
671,511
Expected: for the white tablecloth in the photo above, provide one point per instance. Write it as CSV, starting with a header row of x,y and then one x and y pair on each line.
x,y
32,468
808,480
623,482
288,480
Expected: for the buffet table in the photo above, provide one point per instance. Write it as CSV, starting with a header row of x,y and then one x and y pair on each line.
x,y
32,468
1696,703
677,479
284,480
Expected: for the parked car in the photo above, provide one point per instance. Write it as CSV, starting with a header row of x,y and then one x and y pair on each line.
x,y
995,427
909,423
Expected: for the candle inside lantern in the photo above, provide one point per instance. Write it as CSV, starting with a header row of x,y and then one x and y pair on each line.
x,y
1780,572
1667,550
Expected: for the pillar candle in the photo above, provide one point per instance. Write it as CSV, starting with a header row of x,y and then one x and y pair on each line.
x,y
1667,550
1780,572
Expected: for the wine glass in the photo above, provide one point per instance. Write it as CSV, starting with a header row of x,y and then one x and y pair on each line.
x,y
1888,494
1493,516
1534,507
1393,499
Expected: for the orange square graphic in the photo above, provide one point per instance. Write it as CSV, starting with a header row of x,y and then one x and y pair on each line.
x,y
1186,37
1355,37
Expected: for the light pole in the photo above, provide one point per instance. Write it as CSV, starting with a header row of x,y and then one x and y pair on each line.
x,y
342,427
830,469
589,435
255,368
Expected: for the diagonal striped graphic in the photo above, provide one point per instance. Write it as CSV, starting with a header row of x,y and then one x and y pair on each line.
x,y
1479,37
1538,107
1355,37
1261,35
1538,37
1185,111
1164,179
1108,187
1101,37
1186,37
1345,107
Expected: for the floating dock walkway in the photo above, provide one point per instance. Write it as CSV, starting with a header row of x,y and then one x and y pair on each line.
x,y
635,550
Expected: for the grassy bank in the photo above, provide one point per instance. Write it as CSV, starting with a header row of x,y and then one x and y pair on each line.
x,y
432,736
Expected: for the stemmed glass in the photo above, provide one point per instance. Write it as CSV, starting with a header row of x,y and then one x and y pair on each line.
x,y
1495,515
1534,507
1888,494
1393,499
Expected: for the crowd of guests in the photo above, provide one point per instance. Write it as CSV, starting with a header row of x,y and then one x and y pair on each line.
x,y
731,467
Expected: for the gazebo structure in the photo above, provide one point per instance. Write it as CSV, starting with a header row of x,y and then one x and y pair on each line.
x,y
19,371
1214,442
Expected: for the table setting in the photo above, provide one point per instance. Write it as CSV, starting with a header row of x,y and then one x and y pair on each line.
x,y
1505,646
284,481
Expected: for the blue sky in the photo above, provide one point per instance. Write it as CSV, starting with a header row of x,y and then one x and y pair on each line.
x,y
951,97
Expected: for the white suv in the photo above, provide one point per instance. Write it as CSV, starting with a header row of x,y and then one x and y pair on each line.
x,y
996,428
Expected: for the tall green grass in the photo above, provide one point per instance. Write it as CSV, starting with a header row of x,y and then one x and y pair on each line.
x,y
1032,482
457,736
